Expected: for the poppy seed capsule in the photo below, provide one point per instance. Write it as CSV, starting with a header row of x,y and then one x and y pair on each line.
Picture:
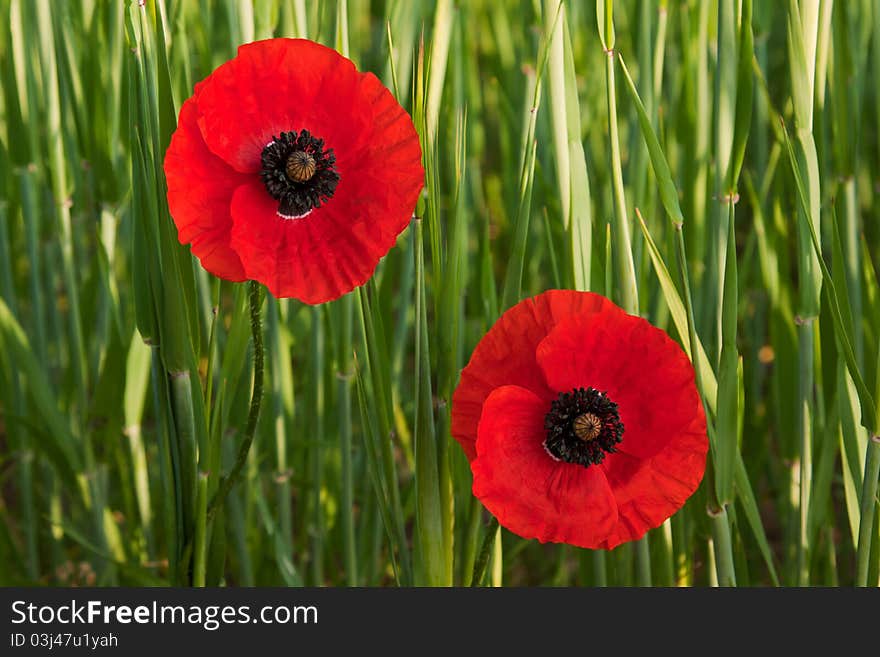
x,y
587,426
300,166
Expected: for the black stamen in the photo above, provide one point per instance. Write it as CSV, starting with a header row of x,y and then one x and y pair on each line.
x,y
582,426
298,172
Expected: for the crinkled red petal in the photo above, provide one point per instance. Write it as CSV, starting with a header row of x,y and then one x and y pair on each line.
x,y
529,492
506,355
314,259
637,365
280,85
200,187
648,491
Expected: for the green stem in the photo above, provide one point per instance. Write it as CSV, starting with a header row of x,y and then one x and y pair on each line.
x,y
316,463
681,252
804,428
199,568
212,349
623,258
344,388
600,568
723,548
472,534
255,301
485,550
867,506
643,561
184,445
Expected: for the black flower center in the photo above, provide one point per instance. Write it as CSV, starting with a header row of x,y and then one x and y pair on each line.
x,y
582,426
299,173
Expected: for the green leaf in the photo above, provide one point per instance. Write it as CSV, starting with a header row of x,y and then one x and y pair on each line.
x,y
679,318
668,191
746,498
729,378
801,89
744,98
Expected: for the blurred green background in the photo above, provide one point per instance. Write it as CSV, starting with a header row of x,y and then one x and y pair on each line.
x,y
691,160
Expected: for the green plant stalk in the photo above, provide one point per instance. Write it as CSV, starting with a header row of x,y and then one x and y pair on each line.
x,y
727,429
868,501
659,52
200,549
185,432
212,355
623,257
255,302
442,37
489,538
643,561
512,290
316,464
600,568
497,561
696,170
723,122
344,378
283,406
802,36
137,373
867,511
851,232
804,429
666,554
723,551
637,170
558,108
210,447
171,512
571,168
471,539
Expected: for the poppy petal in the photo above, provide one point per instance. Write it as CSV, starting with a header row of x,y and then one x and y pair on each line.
x,y
648,491
529,492
637,365
279,85
314,258
200,187
506,355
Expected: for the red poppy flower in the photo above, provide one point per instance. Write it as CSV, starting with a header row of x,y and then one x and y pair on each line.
x,y
291,168
582,423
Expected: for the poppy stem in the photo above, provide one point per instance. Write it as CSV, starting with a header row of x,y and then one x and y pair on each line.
x,y
255,301
485,550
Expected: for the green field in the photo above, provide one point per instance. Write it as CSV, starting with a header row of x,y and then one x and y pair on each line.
x,y
708,165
